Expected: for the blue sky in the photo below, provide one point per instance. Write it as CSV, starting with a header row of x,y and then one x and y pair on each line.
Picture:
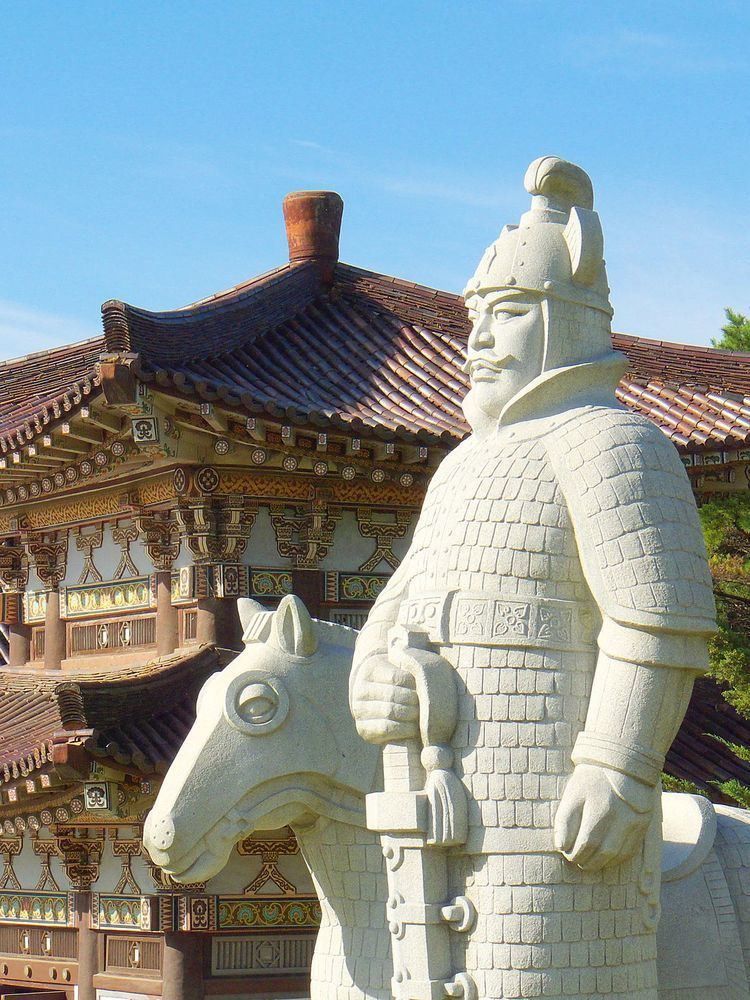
x,y
145,147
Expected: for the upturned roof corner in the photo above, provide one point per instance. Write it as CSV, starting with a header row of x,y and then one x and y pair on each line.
x,y
116,329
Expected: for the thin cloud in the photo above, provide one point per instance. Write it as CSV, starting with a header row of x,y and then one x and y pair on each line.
x,y
24,330
459,192
629,51
463,190
311,144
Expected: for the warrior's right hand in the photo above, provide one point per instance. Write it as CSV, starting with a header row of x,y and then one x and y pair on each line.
x,y
384,702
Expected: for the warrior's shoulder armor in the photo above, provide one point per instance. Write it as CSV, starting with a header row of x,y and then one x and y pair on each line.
x,y
636,523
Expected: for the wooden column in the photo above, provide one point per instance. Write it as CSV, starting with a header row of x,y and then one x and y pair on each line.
x,y
167,621
206,628
229,627
19,642
219,622
88,947
307,584
54,632
182,967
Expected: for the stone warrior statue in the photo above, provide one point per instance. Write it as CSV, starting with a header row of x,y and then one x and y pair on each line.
x,y
558,576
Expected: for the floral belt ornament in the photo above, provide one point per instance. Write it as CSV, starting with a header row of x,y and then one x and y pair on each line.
x,y
458,617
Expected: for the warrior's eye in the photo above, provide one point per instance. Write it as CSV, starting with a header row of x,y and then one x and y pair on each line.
x,y
256,702
505,311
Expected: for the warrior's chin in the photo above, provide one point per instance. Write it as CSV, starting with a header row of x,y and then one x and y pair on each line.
x,y
478,418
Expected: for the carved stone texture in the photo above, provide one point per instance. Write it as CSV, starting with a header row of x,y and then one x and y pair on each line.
x,y
304,533
49,556
86,543
287,715
558,569
124,535
161,538
526,668
216,530
384,534
345,856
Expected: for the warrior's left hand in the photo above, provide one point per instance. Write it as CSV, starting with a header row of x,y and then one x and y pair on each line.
x,y
602,817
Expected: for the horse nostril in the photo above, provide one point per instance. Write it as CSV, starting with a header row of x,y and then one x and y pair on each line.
x,y
160,831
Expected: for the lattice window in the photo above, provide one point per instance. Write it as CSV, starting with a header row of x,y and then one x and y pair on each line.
x,y
189,625
353,617
261,956
37,643
112,633
38,942
124,954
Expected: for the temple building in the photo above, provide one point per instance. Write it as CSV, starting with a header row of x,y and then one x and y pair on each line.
x,y
273,438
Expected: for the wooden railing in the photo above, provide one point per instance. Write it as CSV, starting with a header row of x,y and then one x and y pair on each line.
x,y
126,954
107,634
261,956
38,942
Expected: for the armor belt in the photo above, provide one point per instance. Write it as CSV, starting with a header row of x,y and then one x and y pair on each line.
x,y
459,617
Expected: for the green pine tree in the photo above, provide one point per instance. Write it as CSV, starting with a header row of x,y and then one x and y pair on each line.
x,y
735,334
726,528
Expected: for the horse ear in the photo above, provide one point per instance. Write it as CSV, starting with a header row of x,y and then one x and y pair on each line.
x,y
293,629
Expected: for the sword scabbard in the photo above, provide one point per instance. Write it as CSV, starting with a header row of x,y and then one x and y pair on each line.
x,y
418,909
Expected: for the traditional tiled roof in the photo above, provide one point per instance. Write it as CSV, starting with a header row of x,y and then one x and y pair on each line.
x,y
344,356
139,714
699,396
214,325
370,353
375,353
697,754
40,388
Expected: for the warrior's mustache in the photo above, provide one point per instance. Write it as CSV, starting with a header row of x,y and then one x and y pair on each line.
x,y
482,361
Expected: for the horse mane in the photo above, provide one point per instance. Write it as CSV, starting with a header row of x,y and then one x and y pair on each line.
x,y
257,628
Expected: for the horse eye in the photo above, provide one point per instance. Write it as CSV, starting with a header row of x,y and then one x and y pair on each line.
x,y
257,703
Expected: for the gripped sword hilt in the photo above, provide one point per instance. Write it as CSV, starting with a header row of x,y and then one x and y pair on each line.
x,y
435,683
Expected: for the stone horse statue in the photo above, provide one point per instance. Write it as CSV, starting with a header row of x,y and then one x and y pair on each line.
x,y
274,744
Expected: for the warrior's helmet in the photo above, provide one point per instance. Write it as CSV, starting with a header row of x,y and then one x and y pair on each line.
x,y
555,253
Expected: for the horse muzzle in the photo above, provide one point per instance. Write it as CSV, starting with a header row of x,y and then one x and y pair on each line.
x,y
158,836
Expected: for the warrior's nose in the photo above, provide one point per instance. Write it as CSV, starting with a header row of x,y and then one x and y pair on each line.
x,y
158,831
481,336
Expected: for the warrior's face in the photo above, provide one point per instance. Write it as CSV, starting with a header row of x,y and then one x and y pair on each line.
x,y
506,346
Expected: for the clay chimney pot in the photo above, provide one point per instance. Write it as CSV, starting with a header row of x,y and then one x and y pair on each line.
x,y
313,223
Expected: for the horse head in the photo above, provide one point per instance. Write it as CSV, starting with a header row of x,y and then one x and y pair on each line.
x,y
273,743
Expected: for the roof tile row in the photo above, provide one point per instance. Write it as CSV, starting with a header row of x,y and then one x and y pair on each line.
x,y
369,353
138,714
